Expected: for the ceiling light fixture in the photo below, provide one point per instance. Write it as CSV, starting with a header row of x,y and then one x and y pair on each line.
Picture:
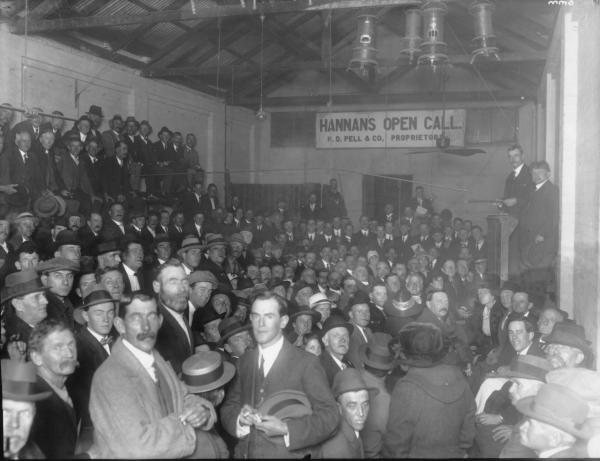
x,y
364,56
485,39
261,114
433,49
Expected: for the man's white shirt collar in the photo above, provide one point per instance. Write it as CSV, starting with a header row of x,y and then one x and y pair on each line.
x,y
99,338
147,360
269,354
538,186
518,169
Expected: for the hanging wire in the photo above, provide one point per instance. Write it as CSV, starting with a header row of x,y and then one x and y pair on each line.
x,y
262,32
330,101
218,56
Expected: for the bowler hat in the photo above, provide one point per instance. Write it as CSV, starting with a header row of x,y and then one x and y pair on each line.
x,y
510,285
57,264
376,353
244,283
203,276
422,344
205,371
96,110
131,118
19,382
28,246
335,321
350,380
558,406
286,404
359,297
136,213
46,206
116,117
569,334
107,247
66,237
526,366
98,296
237,237
161,238
213,240
231,326
207,314
189,243
20,284
297,311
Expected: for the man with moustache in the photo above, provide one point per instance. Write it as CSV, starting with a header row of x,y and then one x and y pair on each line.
x,y
139,408
114,228
54,353
93,348
175,341
89,235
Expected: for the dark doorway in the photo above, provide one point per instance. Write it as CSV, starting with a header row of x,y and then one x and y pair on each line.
x,y
378,191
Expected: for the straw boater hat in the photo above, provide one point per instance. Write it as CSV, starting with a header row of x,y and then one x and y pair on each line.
x,y
213,240
20,284
318,299
558,406
19,382
205,371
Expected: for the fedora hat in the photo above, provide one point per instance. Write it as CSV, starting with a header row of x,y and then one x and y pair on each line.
x,y
188,243
422,344
286,404
526,366
107,247
97,296
584,382
46,206
335,321
237,237
57,264
231,326
296,311
20,284
207,314
558,406
19,382
376,353
96,110
66,237
205,371
569,334
164,129
62,205
317,299
203,276
350,380
215,240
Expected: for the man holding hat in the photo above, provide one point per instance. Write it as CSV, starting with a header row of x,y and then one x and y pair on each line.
x,y
353,399
20,392
432,414
276,365
57,276
26,294
336,339
216,246
378,362
93,348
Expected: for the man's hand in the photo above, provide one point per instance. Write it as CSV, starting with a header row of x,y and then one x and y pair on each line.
x,y
17,350
509,201
195,416
9,189
249,416
539,238
502,433
120,198
489,419
271,425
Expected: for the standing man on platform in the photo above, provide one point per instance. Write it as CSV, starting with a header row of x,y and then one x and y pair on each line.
x,y
517,189
276,365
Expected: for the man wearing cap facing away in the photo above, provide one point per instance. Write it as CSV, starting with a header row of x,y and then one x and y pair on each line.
x,y
235,338
273,366
353,397
20,392
336,339
28,302
93,348
57,275
53,351
139,408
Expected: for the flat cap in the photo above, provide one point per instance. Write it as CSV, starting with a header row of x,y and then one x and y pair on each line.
x,y
57,264
203,276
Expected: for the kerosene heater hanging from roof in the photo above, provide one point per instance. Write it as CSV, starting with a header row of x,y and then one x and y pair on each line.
x,y
433,47
364,55
485,39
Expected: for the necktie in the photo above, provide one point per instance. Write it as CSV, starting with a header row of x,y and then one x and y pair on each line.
x,y
106,341
25,157
261,367
164,394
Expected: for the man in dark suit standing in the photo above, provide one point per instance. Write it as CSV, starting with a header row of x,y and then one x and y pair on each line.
x,y
111,137
191,202
538,226
276,365
18,165
174,340
93,348
363,237
517,189
311,210
115,175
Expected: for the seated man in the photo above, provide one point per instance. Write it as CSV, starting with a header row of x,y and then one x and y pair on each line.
x,y
568,348
138,406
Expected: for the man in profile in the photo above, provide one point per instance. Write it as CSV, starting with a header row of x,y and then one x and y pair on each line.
x,y
139,408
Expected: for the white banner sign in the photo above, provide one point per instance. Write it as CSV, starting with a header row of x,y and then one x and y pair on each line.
x,y
395,129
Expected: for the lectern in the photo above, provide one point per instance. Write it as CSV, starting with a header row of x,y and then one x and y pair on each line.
x,y
500,226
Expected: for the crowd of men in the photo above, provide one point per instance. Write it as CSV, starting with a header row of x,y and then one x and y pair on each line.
x,y
192,328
